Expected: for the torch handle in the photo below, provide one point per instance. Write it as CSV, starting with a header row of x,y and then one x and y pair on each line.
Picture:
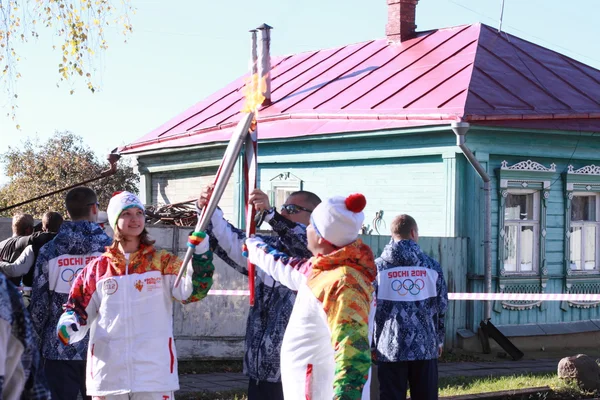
x,y
223,174
251,169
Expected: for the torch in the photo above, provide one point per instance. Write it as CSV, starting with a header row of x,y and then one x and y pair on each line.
x,y
257,92
223,174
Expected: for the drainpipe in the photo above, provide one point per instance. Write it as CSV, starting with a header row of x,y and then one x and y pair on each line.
x,y
461,129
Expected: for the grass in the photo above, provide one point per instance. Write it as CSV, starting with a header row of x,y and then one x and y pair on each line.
x,y
470,385
455,386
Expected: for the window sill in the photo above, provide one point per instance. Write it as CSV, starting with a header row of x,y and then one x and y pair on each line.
x,y
589,272
509,275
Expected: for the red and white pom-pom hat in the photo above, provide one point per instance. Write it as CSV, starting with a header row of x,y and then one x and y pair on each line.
x,y
339,219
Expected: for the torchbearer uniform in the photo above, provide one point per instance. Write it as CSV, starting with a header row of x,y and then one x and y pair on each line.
x,y
126,301
325,352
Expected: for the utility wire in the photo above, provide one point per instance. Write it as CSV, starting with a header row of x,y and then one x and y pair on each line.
x,y
516,52
455,2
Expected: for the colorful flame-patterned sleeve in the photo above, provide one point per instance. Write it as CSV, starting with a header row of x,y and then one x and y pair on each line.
x,y
347,308
197,280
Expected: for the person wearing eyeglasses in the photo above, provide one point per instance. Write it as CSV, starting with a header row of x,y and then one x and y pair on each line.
x,y
58,264
268,318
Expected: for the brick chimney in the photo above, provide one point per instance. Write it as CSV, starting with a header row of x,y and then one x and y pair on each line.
x,y
401,20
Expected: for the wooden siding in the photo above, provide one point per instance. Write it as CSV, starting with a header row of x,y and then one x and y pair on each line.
x,y
414,186
493,147
173,187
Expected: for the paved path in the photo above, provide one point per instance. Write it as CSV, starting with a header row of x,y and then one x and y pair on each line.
x,y
229,381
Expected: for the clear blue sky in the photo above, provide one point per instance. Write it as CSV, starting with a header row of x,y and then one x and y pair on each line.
x,y
183,50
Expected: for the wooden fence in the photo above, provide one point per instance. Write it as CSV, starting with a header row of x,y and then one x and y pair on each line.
x,y
215,326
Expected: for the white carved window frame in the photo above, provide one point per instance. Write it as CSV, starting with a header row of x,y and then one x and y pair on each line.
x,y
535,223
584,181
583,225
282,185
525,177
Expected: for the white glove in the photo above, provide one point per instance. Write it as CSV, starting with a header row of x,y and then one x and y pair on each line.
x,y
199,241
67,326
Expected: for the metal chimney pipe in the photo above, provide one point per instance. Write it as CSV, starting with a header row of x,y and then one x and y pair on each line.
x,y
460,129
265,61
254,66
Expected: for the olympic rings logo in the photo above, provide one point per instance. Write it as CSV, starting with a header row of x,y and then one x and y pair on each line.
x,y
406,286
68,275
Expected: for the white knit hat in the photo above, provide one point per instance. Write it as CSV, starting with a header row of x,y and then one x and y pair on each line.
x,y
119,202
339,219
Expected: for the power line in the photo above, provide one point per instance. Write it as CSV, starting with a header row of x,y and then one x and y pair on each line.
x,y
516,52
548,91
455,2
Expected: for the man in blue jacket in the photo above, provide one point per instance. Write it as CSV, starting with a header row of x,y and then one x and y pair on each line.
x,y
78,242
412,299
273,305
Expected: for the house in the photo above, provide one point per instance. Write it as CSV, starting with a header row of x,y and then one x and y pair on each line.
x,y
382,117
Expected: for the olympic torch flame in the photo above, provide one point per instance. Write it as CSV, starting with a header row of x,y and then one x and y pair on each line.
x,y
253,93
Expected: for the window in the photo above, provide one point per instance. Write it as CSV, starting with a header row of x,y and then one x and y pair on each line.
x,y
524,192
282,186
584,232
521,230
280,195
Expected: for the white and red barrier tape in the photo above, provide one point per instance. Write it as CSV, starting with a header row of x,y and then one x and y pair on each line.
x,y
525,296
459,296
220,292
471,296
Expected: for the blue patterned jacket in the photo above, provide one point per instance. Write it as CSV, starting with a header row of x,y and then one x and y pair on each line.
x,y
24,378
57,265
273,304
412,299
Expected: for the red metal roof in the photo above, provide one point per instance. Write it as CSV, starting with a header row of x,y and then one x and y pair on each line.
x,y
468,73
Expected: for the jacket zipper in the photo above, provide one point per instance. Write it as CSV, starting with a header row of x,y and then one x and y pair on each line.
x,y
128,309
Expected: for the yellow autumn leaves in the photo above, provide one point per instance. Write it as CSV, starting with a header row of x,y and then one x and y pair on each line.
x,y
78,25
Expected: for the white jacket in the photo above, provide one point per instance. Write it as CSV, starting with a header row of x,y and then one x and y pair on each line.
x,y
128,308
325,352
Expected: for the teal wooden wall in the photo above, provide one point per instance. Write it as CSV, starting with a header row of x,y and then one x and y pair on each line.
x,y
451,253
412,186
410,173
491,148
